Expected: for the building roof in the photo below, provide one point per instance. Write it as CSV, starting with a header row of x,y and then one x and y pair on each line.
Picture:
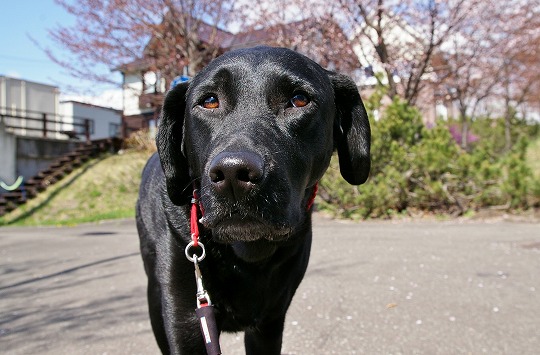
x,y
29,81
90,105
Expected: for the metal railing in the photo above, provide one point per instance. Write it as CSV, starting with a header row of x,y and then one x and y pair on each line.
x,y
45,124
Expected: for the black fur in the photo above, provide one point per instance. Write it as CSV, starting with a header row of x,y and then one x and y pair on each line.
x,y
255,159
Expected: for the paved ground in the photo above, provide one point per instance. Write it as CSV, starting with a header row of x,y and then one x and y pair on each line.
x,y
371,288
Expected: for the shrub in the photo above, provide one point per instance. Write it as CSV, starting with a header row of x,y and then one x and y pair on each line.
x,y
141,140
419,168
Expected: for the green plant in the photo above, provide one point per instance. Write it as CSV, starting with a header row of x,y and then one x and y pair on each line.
x,y
420,168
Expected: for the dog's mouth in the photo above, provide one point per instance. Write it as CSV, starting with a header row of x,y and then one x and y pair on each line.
x,y
251,238
237,227
255,221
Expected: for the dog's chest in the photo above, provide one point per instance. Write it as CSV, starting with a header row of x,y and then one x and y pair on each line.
x,y
243,294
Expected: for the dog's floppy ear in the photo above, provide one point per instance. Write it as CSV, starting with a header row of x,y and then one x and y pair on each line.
x,y
352,134
169,141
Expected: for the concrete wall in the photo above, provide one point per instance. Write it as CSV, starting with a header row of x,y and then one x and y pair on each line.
x,y
36,154
27,156
8,146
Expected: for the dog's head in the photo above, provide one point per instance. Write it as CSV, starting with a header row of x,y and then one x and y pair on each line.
x,y
256,130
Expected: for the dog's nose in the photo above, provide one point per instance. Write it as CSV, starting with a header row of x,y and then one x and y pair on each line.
x,y
235,174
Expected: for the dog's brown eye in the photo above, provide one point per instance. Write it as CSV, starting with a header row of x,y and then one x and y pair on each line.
x,y
299,100
211,102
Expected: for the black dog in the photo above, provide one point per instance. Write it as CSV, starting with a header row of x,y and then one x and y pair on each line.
x,y
254,132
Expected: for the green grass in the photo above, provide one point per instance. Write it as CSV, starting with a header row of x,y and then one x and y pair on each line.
x,y
101,189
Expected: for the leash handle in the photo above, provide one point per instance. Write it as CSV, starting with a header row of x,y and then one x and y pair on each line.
x,y
205,310
209,329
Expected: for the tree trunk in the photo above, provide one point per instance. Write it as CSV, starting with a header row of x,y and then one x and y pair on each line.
x,y
464,130
508,112
392,88
508,127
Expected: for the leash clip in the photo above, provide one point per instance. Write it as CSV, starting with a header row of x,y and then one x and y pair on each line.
x,y
203,299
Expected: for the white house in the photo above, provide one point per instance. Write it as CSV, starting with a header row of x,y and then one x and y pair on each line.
x,y
103,122
30,109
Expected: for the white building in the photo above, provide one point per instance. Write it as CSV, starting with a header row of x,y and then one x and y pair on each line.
x,y
103,122
29,108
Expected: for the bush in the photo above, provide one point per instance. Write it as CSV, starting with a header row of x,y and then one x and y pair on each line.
x,y
419,168
141,140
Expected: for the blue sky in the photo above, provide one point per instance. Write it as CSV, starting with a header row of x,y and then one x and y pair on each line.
x,y
21,58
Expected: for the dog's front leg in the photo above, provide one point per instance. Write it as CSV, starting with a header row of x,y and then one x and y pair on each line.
x,y
184,336
265,339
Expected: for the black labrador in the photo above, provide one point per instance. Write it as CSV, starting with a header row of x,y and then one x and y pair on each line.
x,y
254,132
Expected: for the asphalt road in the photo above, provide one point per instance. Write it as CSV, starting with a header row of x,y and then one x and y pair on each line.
x,y
371,288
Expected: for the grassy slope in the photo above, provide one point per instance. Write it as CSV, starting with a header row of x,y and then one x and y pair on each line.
x,y
101,189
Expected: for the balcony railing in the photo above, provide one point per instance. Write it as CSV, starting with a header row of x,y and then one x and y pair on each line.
x,y
151,100
44,124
